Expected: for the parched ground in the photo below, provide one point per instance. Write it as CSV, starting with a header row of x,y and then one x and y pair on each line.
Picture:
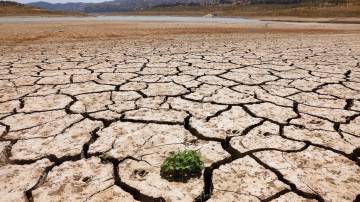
x,y
276,117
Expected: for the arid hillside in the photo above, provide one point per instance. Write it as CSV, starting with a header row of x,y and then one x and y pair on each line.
x,y
308,9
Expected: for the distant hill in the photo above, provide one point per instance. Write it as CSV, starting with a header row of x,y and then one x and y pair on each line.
x,y
270,9
10,8
112,6
130,5
79,7
135,5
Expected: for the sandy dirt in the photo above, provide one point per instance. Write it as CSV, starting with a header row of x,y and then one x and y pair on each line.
x,y
40,32
273,109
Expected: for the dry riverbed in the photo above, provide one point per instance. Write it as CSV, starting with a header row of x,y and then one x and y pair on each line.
x,y
273,108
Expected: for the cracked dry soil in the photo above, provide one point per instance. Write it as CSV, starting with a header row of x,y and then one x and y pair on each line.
x,y
275,119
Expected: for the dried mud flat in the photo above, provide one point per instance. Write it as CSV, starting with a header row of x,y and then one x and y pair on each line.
x,y
276,117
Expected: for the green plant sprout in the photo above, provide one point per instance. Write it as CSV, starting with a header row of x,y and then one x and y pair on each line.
x,y
182,165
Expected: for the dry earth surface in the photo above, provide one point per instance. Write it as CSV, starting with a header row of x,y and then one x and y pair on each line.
x,y
274,113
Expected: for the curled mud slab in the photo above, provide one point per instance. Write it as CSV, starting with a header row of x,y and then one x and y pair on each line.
x,y
275,117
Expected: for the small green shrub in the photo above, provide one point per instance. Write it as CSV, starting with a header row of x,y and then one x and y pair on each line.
x,y
105,157
182,165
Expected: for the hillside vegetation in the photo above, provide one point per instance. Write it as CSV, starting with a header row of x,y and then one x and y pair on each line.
x,y
307,8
